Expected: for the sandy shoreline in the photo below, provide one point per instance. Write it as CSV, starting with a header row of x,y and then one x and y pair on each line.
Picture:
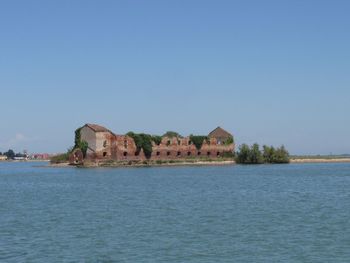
x,y
321,160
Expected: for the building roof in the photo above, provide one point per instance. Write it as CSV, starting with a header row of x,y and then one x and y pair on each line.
x,y
97,128
219,133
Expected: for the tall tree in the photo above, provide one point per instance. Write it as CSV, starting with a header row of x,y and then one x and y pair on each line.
x,y
255,156
10,154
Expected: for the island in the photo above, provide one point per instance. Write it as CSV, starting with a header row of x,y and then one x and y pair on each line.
x,y
96,145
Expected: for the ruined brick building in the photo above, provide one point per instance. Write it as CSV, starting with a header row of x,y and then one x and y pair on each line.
x,y
103,144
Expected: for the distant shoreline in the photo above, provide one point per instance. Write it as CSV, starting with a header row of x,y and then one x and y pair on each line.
x,y
320,160
22,161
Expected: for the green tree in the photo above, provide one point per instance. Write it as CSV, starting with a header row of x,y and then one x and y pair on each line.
x,y
243,154
171,134
281,155
268,154
255,156
10,154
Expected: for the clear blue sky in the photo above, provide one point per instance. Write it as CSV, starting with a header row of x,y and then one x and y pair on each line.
x,y
272,72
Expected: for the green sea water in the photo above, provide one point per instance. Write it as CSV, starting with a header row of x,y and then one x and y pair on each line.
x,y
265,213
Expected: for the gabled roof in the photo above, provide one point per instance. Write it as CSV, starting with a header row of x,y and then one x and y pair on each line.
x,y
219,132
97,128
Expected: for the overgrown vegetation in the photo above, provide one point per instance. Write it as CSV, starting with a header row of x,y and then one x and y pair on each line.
x,y
229,141
60,158
198,140
78,143
253,154
172,134
157,139
278,155
228,155
144,141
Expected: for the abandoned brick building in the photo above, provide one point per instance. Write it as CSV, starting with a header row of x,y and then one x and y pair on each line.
x,y
103,144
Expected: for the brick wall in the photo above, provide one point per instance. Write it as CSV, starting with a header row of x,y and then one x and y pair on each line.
x,y
108,146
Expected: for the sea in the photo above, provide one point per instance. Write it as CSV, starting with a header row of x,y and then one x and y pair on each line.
x,y
233,213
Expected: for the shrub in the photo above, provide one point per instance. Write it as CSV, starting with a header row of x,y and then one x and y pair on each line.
x,y
228,155
249,155
268,153
229,141
272,155
242,155
281,155
253,155
172,134
60,158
